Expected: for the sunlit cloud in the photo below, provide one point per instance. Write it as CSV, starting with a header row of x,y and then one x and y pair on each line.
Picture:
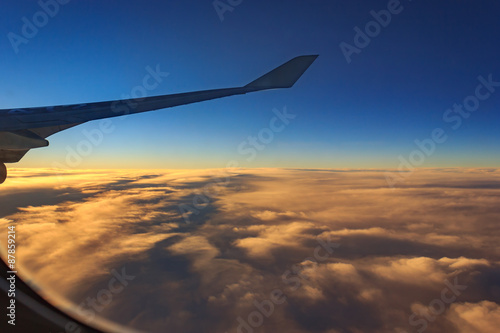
x,y
258,232
482,317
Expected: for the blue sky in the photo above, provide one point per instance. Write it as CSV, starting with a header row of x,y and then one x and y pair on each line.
x,y
362,114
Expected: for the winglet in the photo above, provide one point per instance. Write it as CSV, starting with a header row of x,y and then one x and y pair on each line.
x,y
285,75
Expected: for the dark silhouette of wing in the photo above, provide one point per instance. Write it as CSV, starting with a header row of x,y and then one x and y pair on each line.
x,y
284,76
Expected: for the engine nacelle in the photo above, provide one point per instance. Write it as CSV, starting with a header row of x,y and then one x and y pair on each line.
x,y
3,173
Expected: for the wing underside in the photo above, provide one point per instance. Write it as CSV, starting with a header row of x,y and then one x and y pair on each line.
x,y
15,155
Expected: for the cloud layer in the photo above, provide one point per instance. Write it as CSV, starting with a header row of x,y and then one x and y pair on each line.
x,y
263,250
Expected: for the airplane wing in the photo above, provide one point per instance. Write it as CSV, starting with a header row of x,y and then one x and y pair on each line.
x,y
23,129
284,76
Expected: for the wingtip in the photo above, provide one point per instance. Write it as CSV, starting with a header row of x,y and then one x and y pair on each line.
x,y
286,75
311,56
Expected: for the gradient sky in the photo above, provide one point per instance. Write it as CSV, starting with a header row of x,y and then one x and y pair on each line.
x,y
361,115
